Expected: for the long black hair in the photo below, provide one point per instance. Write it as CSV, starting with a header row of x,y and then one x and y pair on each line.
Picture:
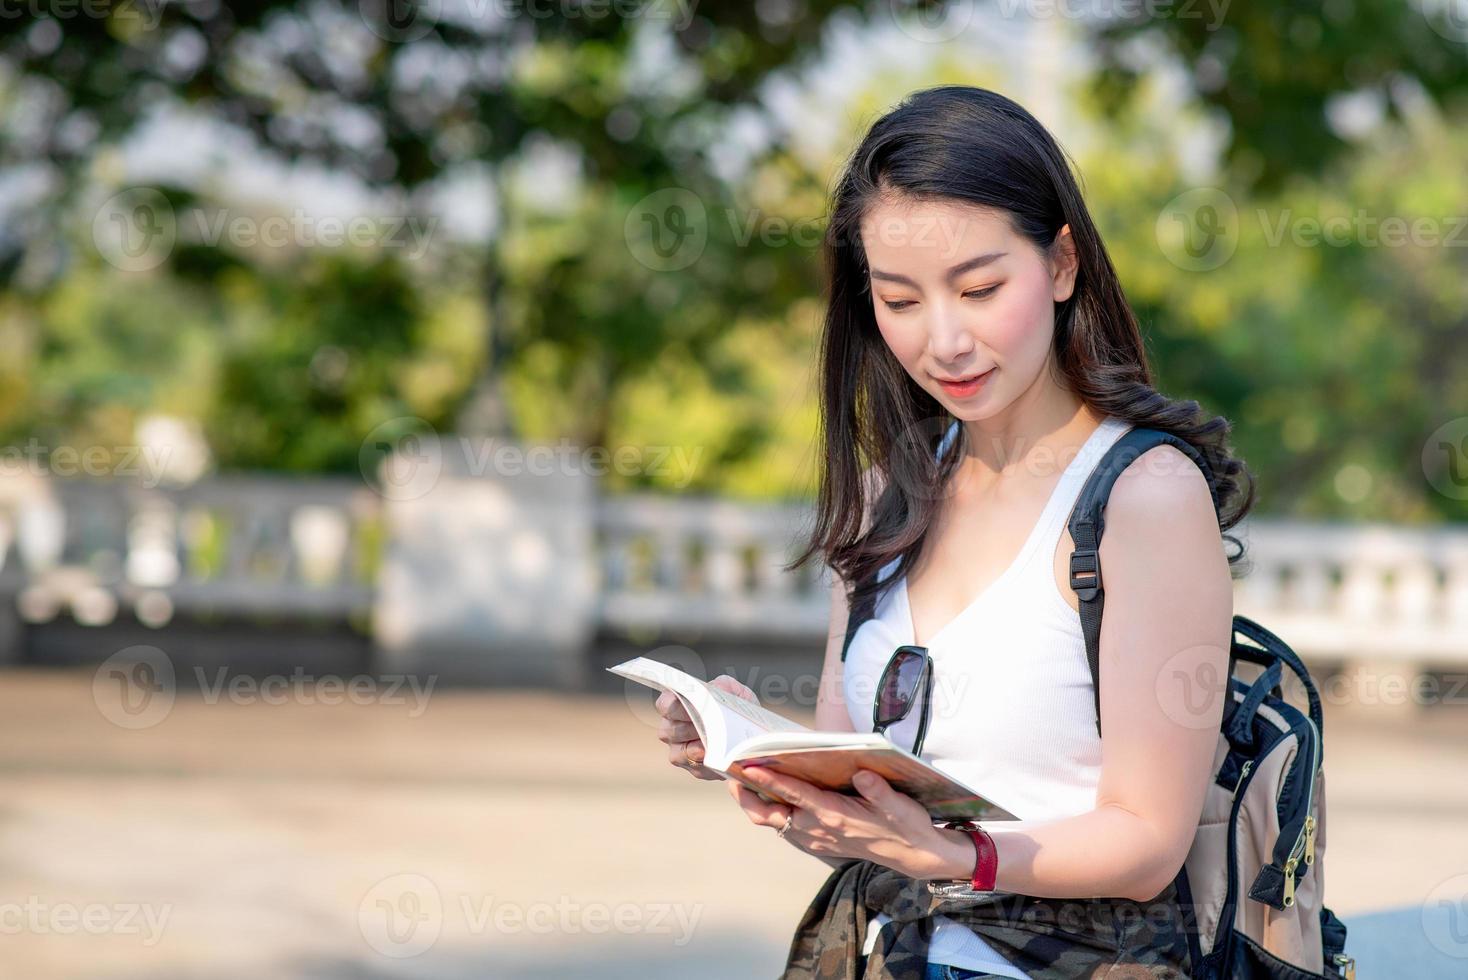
x,y
974,147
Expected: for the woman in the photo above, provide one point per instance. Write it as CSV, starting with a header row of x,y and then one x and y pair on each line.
x,y
979,351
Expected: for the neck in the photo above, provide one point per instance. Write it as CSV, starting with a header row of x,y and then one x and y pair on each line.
x,y
1034,435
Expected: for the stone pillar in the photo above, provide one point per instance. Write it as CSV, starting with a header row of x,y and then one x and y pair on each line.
x,y
489,574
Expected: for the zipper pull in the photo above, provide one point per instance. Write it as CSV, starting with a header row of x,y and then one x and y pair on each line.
x,y
1346,964
1242,773
1289,882
1310,839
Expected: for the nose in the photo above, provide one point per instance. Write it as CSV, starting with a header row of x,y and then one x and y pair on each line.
x,y
949,339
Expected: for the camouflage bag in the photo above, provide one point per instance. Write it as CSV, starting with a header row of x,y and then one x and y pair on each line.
x,y
1047,938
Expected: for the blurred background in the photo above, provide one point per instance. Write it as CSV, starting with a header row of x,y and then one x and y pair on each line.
x,y
374,374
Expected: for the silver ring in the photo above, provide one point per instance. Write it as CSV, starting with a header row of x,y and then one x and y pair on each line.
x,y
788,821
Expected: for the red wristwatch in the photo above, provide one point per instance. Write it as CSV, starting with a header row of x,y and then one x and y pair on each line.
x,y
986,855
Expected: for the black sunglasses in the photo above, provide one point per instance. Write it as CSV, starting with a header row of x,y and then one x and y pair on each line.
x,y
909,669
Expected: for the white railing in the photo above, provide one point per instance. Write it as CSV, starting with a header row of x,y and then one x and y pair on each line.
x,y
228,547
704,568
1352,590
1331,591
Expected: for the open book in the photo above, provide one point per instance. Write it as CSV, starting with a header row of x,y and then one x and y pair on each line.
x,y
737,732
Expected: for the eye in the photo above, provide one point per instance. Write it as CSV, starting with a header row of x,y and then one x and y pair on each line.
x,y
984,293
898,305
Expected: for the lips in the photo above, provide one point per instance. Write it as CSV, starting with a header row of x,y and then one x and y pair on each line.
x,y
962,381
965,387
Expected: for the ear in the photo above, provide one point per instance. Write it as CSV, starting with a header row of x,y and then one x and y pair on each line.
x,y
1064,264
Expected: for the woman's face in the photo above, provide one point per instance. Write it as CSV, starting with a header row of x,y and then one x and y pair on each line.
x,y
959,296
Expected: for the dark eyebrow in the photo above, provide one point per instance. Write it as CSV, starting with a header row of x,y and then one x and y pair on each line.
x,y
968,265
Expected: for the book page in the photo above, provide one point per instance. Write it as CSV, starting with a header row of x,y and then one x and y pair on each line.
x,y
722,719
763,719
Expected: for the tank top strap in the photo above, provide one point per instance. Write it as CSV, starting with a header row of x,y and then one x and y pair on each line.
x,y
1077,471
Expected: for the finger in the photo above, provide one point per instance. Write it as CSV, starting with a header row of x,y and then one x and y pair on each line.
x,y
796,792
886,800
758,811
724,682
668,705
676,731
681,753
875,790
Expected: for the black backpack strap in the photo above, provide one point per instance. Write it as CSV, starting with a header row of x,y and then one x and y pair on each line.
x,y
1087,522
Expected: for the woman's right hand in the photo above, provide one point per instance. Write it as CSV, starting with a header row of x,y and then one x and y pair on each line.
x,y
685,749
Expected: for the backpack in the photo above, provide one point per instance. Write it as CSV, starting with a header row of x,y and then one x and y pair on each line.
x,y
1251,886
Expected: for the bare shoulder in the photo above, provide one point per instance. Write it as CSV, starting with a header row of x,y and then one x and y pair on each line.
x,y
1162,484
1161,505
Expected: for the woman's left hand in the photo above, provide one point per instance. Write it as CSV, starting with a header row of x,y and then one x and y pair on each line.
x,y
881,825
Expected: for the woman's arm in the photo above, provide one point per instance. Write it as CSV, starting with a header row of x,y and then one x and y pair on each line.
x,y
1165,636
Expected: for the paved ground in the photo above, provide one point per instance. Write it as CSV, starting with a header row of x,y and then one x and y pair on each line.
x,y
508,834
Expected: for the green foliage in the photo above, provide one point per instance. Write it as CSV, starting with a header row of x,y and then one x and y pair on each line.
x,y
1334,361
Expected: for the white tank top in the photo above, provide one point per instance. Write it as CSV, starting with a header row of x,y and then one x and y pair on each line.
x,y
1012,708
